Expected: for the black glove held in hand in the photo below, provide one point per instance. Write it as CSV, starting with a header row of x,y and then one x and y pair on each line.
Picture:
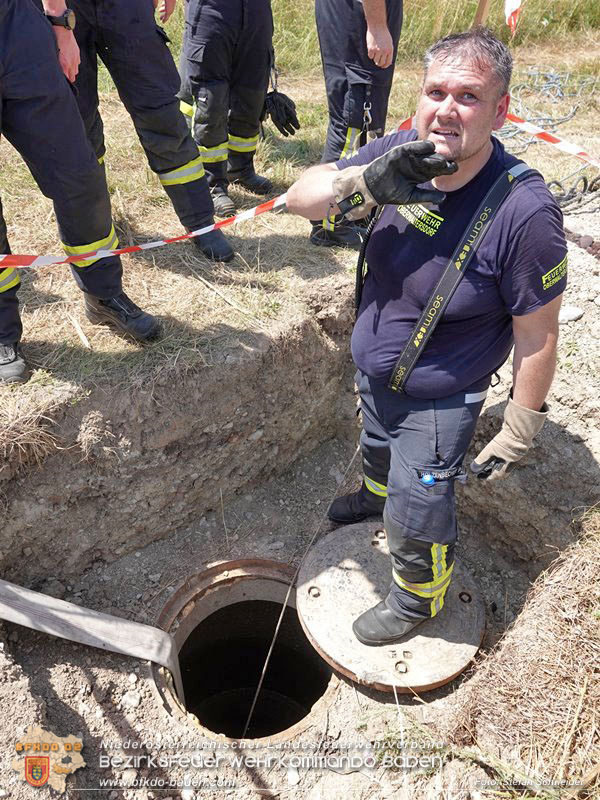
x,y
282,111
392,178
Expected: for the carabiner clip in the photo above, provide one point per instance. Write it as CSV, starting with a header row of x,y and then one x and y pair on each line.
x,y
367,118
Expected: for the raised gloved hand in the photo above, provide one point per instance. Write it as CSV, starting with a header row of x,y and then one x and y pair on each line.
x,y
512,443
282,111
392,178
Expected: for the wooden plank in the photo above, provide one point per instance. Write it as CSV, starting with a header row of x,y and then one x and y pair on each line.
x,y
481,15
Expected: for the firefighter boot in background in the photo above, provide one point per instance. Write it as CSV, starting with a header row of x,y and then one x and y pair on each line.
x,y
241,170
335,231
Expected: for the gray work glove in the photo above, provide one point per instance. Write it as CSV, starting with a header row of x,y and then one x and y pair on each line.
x,y
512,443
392,178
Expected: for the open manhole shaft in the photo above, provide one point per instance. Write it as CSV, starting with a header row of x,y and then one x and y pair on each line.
x,y
288,594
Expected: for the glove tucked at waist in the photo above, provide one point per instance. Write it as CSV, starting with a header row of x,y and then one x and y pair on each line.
x,y
516,436
392,178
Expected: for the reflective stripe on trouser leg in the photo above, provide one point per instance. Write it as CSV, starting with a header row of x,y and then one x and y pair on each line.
x,y
100,275
421,575
212,155
430,592
376,488
351,145
188,112
191,171
9,278
242,144
109,242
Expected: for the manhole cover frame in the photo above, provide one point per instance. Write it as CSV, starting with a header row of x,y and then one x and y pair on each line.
x,y
180,615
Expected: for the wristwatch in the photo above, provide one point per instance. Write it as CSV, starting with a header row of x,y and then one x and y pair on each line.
x,y
65,20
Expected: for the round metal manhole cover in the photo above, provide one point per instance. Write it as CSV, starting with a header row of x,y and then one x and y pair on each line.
x,y
346,573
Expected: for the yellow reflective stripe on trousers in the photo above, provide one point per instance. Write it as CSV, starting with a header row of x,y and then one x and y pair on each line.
x,y
329,223
350,147
380,489
110,242
438,560
9,278
185,174
101,160
210,155
241,144
430,589
186,108
351,143
438,567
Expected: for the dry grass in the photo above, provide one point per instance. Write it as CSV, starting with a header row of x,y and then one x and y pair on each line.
x,y
534,704
25,424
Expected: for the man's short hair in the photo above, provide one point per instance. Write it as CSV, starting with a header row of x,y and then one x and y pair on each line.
x,y
478,46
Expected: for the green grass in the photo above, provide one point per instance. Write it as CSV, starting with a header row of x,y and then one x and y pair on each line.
x,y
296,43
297,47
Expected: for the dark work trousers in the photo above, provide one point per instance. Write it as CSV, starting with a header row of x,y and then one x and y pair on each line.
x,y
224,68
39,117
413,452
134,49
356,87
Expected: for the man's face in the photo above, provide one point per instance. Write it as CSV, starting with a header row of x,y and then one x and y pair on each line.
x,y
459,107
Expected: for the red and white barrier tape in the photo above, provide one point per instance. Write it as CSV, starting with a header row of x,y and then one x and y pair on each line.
x,y
539,133
21,261
561,144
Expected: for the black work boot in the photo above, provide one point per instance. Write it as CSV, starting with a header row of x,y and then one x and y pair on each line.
x,y
123,315
214,245
355,507
241,170
379,626
344,234
12,366
224,205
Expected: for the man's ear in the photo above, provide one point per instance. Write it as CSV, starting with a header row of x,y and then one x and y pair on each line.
x,y
501,111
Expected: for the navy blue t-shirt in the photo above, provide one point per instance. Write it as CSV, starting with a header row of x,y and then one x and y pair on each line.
x,y
520,266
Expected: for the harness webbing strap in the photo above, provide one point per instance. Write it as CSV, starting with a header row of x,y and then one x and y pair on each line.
x,y
454,272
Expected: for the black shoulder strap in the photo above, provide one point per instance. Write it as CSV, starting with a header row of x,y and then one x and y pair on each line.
x,y
454,272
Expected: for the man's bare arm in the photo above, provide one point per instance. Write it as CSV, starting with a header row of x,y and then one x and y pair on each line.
x,y
534,359
379,39
312,194
68,49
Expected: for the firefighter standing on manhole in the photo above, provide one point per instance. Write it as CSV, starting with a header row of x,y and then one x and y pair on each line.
x,y
467,257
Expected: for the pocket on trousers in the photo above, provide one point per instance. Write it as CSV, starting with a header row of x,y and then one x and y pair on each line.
x,y
430,508
364,86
